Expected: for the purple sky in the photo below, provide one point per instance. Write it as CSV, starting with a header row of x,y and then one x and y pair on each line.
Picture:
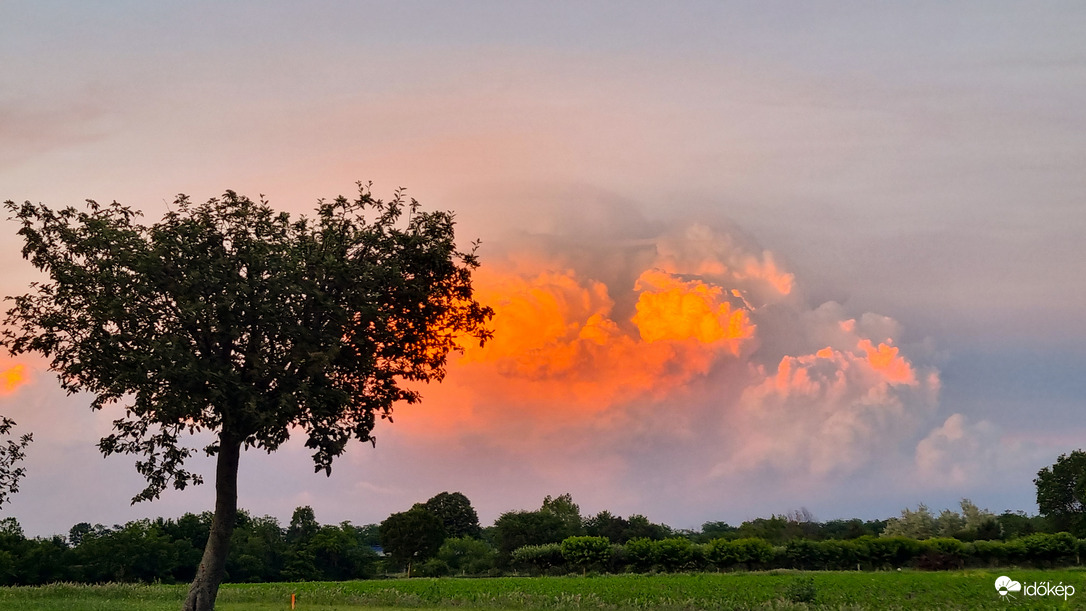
x,y
910,174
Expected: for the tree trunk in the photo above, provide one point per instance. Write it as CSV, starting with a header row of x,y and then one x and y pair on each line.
x,y
205,587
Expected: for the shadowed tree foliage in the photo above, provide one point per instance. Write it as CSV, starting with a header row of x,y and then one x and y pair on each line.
x,y
456,514
1061,493
12,451
412,536
233,319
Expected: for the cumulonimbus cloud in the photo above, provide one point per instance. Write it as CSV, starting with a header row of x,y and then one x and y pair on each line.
x,y
706,334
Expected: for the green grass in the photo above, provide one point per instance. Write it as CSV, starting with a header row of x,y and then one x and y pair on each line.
x,y
773,590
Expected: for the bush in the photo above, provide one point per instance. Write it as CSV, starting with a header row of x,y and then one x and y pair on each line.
x,y
672,554
804,554
433,567
467,556
639,554
1045,550
989,553
585,552
749,552
941,553
539,558
888,552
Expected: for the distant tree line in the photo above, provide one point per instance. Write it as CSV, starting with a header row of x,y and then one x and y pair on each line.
x,y
442,536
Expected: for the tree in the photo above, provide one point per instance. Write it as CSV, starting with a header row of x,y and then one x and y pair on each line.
x,y
1061,493
564,507
12,451
515,529
412,536
303,525
606,524
919,524
456,514
230,318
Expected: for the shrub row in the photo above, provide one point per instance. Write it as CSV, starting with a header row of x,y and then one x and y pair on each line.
x,y
865,553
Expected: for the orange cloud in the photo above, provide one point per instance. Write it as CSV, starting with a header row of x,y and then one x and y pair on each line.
x,y
12,378
555,331
885,360
705,330
672,309
559,349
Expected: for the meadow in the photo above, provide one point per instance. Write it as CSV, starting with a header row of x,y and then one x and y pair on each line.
x,y
973,589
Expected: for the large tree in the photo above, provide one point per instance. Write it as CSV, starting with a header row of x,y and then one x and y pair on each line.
x,y
1061,493
230,318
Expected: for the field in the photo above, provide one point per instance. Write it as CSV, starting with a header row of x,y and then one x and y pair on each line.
x,y
772,590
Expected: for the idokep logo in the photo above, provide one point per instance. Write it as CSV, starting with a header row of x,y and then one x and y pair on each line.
x,y
1005,586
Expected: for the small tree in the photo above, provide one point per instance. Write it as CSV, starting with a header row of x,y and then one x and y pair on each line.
x,y
412,536
231,318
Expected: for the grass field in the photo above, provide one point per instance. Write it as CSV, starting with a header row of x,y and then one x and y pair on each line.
x,y
772,590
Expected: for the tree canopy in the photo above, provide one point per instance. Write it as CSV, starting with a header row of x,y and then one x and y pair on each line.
x,y
412,536
232,318
456,514
1061,492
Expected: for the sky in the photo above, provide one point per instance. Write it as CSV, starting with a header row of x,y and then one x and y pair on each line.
x,y
745,257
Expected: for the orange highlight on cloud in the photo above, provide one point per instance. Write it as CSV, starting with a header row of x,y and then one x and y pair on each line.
x,y
885,359
12,378
557,341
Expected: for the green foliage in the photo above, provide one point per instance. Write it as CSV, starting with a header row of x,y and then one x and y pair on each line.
x,y
639,554
747,552
673,554
919,524
1061,492
801,590
1014,524
586,552
230,317
456,514
715,530
539,558
885,552
641,528
564,507
467,556
606,524
516,529
412,536
1045,550
12,452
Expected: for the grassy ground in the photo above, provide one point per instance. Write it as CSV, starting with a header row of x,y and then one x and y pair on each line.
x,y
773,590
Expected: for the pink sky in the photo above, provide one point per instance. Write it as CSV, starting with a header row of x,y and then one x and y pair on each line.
x,y
745,258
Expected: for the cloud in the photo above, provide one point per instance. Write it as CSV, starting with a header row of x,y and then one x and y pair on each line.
x,y
962,453
691,363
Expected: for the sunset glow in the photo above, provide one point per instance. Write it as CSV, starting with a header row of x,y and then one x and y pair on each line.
x,y
741,259
12,378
